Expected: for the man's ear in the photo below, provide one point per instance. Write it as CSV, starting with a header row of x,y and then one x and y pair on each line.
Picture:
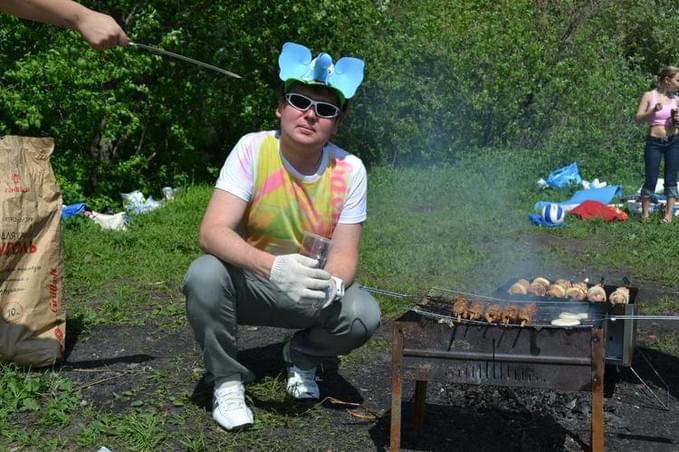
x,y
279,109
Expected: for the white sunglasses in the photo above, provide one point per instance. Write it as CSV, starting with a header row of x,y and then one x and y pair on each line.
x,y
303,103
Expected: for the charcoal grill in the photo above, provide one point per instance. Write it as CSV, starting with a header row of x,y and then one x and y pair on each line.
x,y
621,335
430,345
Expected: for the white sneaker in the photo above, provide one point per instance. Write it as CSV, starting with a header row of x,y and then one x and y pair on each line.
x,y
302,383
228,406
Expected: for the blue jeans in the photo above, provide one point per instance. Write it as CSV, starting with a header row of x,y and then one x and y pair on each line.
x,y
654,151
219,297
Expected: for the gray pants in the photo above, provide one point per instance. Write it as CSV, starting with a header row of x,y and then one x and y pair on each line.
x,y
219,297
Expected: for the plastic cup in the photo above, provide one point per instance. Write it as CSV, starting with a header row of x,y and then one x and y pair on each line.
x,y
316,247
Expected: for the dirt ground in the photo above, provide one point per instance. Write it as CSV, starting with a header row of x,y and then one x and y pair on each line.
x,y
122,360
491,418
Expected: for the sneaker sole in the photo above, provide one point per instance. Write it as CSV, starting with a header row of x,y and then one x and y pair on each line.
x,y
236,429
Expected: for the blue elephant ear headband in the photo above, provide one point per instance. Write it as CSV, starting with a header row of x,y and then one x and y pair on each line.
x,y
297,65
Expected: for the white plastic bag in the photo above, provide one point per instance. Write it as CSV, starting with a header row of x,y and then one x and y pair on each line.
x,y
135,202
115,222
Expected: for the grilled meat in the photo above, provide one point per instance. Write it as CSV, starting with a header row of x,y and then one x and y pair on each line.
x,y
565,283
460,307
510,314
620,296
596,293
527,314
557,290
576,293
581,285
520,287
493,313
541,280
476,310
538,288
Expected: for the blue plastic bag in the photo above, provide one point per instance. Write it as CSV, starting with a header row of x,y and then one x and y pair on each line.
x,y
564,177
71,210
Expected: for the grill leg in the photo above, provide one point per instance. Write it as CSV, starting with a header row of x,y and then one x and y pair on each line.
x,y
420,398
597,390
396,388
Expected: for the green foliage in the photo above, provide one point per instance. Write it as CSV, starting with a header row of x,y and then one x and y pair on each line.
x,y
443,79
125,119
19,392
46,395
457,76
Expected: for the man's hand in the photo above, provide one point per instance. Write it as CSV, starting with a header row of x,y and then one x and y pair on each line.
x,y
101,31
298,277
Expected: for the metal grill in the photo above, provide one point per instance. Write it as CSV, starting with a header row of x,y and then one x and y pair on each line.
x,y
430,345
620,337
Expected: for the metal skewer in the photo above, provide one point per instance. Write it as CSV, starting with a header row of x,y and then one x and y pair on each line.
x,y
163,52
386,292
642,317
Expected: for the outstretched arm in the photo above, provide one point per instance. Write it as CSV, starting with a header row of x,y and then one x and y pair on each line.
x,y
99,30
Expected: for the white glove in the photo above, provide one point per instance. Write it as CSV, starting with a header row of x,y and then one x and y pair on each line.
x,y
335,292
299,278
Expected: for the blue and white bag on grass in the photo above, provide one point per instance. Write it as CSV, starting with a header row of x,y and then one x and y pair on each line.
x,y
565,177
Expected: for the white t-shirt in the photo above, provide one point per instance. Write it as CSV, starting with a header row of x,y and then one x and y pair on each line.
x,y
237,176
282,202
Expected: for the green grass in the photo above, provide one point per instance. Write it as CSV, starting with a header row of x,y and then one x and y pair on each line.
x,y
663,306
461,226
666,344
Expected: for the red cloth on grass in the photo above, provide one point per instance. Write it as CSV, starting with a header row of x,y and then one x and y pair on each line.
x,y
595,209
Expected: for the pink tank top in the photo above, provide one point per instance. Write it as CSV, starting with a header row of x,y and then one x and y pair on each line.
x,y
664,116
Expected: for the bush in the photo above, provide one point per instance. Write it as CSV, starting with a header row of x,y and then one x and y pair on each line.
x,y
442,79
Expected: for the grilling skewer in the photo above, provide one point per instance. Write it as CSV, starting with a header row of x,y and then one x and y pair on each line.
x,y
469,294
386,292
163,52
642,317
557,290
539,286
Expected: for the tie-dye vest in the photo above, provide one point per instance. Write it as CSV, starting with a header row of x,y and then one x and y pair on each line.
x,y
283,207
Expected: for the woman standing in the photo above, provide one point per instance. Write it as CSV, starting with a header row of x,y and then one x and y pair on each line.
x,y
659,108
